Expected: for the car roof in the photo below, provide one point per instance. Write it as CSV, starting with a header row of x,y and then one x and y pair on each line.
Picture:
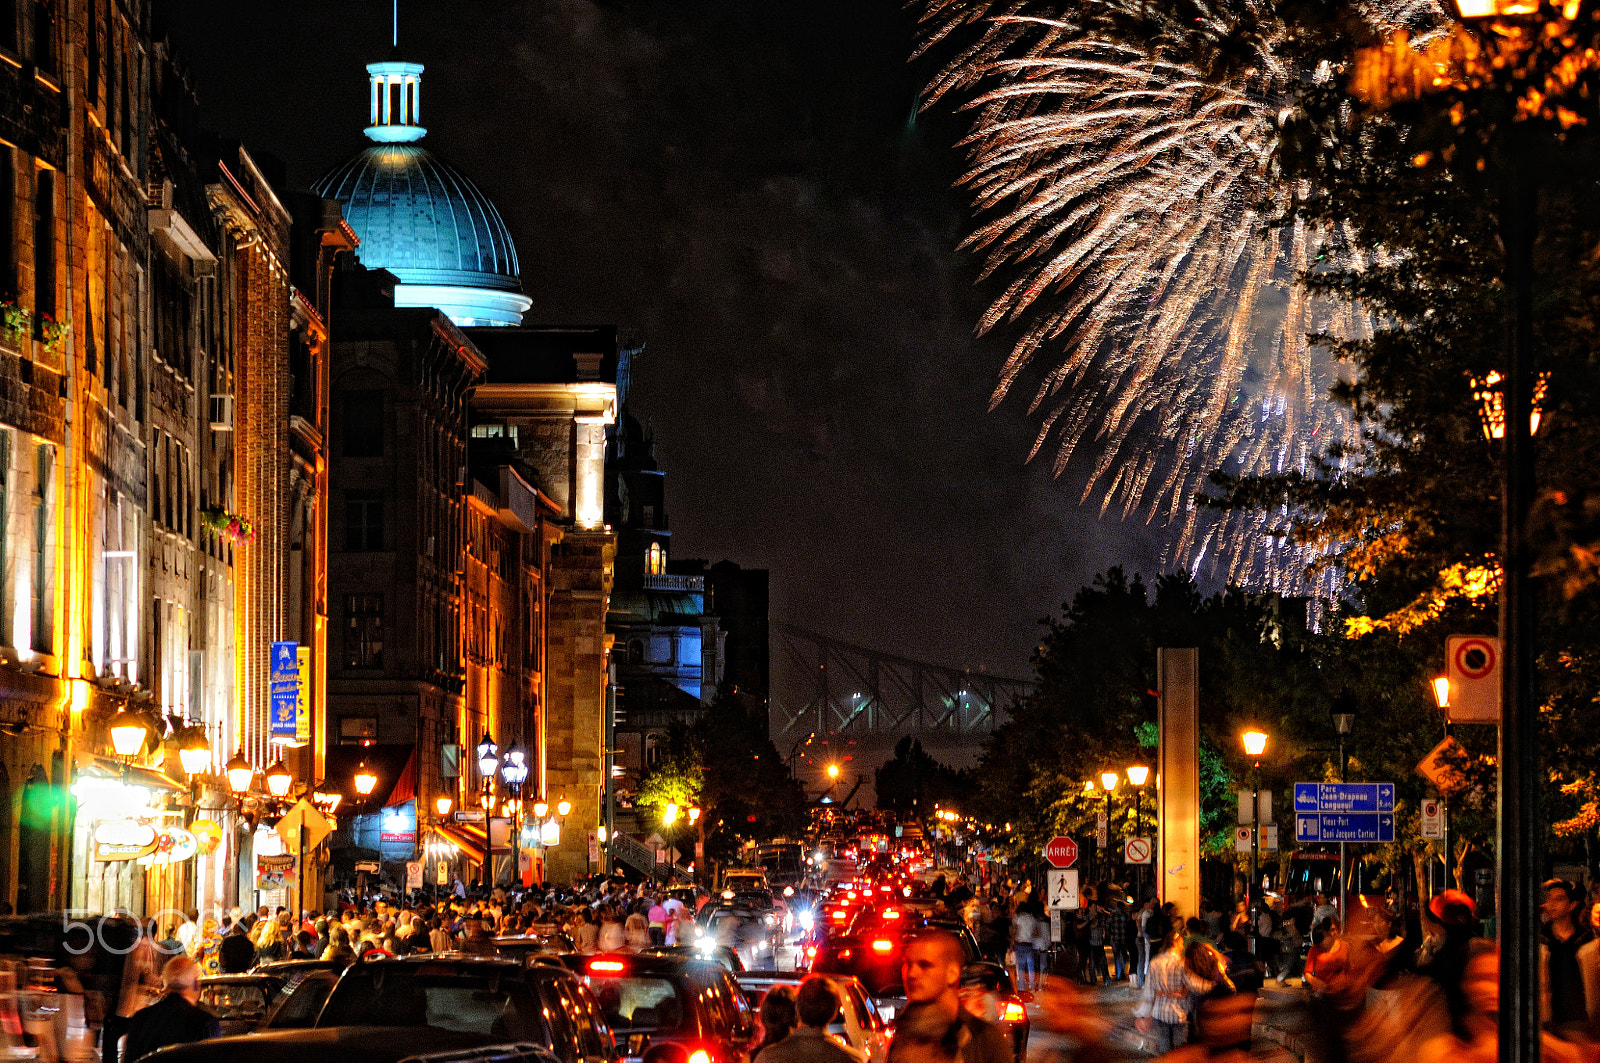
x,y
652,963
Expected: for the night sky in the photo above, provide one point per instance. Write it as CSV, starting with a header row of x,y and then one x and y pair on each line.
x,y
743,186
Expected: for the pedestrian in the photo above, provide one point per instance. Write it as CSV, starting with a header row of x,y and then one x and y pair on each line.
x,y
656,922
177,1018
934,1025
1328,957
1119,932
815,1006
1027,960
1147,921
612,937
1164,1006
236,954
1571,975
778,1017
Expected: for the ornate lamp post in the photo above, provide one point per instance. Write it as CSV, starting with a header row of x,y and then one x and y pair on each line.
x,y
515,772
488,761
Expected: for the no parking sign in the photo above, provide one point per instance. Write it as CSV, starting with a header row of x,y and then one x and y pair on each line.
x,y
1473,663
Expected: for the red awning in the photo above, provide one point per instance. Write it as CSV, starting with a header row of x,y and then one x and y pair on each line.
x,y
469,838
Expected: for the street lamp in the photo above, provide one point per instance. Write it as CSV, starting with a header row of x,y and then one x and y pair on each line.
x,y
239,773
833,771
669,816
1108,783
279,779
442,805
1441,698
1255,744
1138,775
128,733
515,772
365,780
488,761
194,752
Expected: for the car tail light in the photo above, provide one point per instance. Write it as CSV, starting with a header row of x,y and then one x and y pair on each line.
x,y
606,965
890,914
839,914
844,954
1013,1011
699,1055
882,945
851,894
811,952
885,889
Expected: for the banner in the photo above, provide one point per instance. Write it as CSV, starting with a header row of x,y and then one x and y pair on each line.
x,y
302,698
284,686
275,872
123,839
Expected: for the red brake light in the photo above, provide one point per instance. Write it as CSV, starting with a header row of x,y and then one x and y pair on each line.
x,y
1013,1012
844,954
699,1055
890,914
885,889
811,950
839,914
882,945
851,894
606,965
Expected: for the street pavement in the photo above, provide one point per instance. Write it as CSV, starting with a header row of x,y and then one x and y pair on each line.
x,y
1275,1017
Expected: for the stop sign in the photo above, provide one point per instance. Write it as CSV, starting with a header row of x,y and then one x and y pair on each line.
x,y
1061,852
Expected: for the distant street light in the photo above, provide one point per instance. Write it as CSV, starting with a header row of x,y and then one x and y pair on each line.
x,y
1255,744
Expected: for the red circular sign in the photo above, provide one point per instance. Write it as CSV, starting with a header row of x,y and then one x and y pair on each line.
x,y
1061,852
1475,658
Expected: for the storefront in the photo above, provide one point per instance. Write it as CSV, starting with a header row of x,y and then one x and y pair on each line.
x,y
131,850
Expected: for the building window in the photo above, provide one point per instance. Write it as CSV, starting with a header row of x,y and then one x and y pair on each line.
x,y
44,250
363,424
656,562
43,585
363,521
8,211
358,730
44,35
363,641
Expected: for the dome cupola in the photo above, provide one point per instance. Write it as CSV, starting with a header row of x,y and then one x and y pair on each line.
x,y
421,218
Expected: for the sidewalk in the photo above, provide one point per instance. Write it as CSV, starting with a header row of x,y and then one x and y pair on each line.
x,y
1277,1025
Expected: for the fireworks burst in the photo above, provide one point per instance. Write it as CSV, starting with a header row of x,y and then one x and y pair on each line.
x,y
1128,201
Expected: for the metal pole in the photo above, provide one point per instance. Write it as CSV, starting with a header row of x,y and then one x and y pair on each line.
x,y
1344,776
1517,907
516,836
1449,851
1255,845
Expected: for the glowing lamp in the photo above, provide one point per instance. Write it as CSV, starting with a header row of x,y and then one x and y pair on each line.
x,y
694,815
1108,780
128,733
488,757
515,769
670,814
550,833
833,771
1441,691
1138,775
239,773
1255,743
563,808
279,780
1474,9
194,752
442,805
365,780
539,809
603,833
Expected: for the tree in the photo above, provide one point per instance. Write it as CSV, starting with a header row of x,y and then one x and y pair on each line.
x,y
912,783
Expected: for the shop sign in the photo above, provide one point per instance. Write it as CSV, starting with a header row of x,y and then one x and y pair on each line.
x,y
274,872
302,696
284,685
207,835
123,839
174,845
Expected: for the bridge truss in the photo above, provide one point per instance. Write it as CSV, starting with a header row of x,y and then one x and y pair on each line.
x,y
824,685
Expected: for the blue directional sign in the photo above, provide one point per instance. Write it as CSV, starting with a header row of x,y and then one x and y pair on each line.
x,y
1344,812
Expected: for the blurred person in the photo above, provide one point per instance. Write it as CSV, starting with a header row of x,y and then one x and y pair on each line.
x,y
778,1017
1328,955
1474,1034
612,937
1027,973
1164,1006
236,954
815,1006
1245,971
636,930
1222,1029
934,1026
177,1018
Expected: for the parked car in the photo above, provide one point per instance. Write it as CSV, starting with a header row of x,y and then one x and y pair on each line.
x,y
858,1024
525,946
300,1000
444,1008
667,1009
705,949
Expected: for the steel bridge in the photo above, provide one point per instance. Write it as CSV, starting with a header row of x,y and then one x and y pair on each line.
x,y
824,685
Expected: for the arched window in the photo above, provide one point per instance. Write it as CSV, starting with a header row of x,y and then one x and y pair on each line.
x,y
656,562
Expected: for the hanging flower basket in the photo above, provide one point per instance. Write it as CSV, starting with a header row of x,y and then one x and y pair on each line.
x,y
52,332
15,320
230,527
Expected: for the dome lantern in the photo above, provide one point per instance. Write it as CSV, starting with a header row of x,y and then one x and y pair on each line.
x,y
396,102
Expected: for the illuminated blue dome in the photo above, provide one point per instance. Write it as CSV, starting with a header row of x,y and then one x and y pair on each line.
x,y
422,219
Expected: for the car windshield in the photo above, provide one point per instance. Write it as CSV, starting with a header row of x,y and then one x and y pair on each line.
x,y
234,1001
458,1002
639,1003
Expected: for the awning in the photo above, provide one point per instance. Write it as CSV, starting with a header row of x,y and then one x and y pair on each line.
x,y
469,838
149,778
